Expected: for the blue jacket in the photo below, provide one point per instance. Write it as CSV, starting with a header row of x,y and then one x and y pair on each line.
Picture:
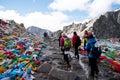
x,y
88,46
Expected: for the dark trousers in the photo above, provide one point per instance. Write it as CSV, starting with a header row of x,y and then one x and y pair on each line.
x,y
93,66
59,41
65,56
66,59
76,52
63,51
85,43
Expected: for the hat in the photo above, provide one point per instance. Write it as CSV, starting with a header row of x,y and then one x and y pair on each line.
x,y
85,32
74,33
90,35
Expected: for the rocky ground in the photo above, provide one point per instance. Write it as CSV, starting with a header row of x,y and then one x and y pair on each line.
x,y
55,68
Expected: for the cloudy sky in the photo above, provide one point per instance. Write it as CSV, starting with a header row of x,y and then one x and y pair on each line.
x,y
54,14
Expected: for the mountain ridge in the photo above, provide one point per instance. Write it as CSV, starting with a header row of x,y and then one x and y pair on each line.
x,y
103,27
38,31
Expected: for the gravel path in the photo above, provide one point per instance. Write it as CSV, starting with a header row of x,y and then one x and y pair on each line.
x,y
53,55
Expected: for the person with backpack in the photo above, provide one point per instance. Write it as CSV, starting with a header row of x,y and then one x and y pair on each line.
x,y
45,37
94,53
85,37
76,42
59,36
65,45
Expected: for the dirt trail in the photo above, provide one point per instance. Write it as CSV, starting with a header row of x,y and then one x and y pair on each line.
x,y
54,57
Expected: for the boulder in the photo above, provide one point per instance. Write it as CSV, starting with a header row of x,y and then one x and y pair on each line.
x,y
58,74
45,68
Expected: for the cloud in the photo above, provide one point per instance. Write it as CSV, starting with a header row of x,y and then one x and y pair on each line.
x,y
116,1
11,14
52,21
68,5
98,7
93,7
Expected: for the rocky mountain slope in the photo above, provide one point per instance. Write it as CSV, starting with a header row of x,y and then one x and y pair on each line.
x,y
104,27
38,31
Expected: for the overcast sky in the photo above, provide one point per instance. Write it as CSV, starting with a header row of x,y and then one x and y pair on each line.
x,y
54,14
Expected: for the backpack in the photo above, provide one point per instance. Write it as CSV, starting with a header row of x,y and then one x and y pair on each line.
x,y
67,43
95,50
78,41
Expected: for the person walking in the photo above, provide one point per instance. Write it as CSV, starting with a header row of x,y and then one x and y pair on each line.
x,y
76,42
85,38
59,37
91,55
64,49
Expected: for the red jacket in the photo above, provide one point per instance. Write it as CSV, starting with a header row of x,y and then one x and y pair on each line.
x,y
74,39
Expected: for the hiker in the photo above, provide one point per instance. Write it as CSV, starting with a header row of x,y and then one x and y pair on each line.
x,y
76,42
59,36
64,49
45,34
85,37
46,37
92,59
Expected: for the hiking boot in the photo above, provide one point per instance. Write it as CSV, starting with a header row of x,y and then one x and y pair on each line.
x,y
91,78
69,66
97,75
78,59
